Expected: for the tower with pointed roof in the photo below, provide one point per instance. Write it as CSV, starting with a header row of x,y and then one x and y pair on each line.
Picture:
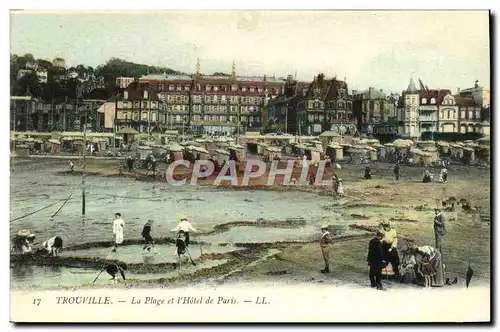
x,y
233,71
411,111
198,67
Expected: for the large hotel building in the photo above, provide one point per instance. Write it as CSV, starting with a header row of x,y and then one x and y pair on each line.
x,y
210,104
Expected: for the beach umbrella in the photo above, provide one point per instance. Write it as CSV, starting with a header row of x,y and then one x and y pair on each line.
x,y
468,276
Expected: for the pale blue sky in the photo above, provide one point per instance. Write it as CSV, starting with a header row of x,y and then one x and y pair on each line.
x,y
381,49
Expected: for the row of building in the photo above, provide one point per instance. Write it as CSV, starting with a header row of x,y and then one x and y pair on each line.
x,y
226,104
327,105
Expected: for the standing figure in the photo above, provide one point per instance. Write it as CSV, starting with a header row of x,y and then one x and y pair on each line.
x,y
439,229
153,164
389,245
335,180
444,175
375,260
434,256
427,177
53,245
71,166
427,270
325,242
146,234
340,188
118,225
368,173
184,226
397,171
130,163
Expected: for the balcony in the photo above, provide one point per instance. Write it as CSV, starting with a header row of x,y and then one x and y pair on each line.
x,y
424,118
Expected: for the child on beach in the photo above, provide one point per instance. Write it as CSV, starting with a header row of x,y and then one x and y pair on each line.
x,y
427,270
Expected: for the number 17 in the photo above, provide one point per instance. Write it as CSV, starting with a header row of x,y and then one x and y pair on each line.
x,y
37,301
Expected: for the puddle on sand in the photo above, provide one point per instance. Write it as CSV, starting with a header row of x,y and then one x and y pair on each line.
x,y
52,277
250,234
133,254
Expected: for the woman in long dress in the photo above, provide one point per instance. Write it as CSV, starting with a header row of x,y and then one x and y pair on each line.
x,y
436,262
118,225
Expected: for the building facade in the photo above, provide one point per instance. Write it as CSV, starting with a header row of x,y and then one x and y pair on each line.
x,y
448,112
31,114
325,105
470,115
408,113
375,112
479,94
123,82
214,104
138,107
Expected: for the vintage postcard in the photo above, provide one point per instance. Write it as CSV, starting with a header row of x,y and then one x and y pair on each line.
x,y
250,166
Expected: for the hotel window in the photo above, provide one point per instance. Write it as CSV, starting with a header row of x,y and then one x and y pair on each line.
x,y
137,105
145,104
207,88
136,116
478,115
243,88
171,87
198,87
471,115
153,117
186,88
216,88
179,88
234,87
433,100
424,101
125,104
252,89
153,104
160,87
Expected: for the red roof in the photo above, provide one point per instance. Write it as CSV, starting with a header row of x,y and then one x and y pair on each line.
x,y
464,101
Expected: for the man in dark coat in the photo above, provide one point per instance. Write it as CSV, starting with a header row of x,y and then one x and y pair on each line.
x,y
396,171
368,173
130,163
376,261
439,229
146,234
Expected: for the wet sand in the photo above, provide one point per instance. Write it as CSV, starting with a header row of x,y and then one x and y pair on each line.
x,y
297,258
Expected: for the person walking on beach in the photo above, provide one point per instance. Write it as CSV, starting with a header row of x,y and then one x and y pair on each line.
x,y
439,229
185,226
375,260
325,243
146,235
397,171
118,225
71,166
130,163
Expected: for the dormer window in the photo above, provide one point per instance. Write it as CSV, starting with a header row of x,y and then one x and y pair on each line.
x,y
433,100
145,94
424,100
125,95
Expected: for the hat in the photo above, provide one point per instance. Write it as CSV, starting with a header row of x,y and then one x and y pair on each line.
x,y
182,217
118,214
385,223
325,226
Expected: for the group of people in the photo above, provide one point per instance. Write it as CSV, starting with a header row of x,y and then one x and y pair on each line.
x,y
425,261
24,239
183,230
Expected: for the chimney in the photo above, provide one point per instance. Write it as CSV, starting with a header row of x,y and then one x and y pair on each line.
x,y
458,91
125,95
